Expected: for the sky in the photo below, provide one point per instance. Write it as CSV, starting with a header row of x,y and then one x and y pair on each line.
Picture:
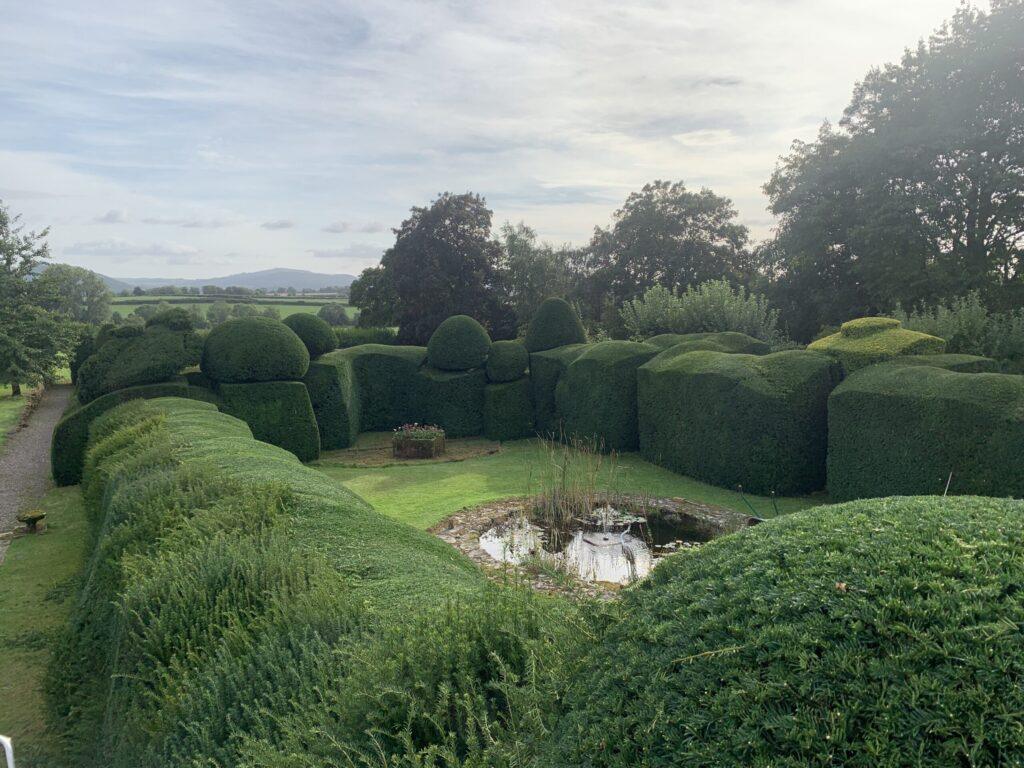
x,y
190,138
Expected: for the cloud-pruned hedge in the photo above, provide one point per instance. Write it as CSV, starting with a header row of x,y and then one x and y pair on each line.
x,y
460,343
315,333
252,349
555,324
869,340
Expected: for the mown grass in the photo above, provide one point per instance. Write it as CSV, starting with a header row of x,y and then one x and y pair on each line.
x,y
10,411
422,494
36,584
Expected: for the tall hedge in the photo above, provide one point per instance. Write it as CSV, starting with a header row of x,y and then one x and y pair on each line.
x,y
253,349
869,340
277,412
724,341
865,634
507,361
315,333
508,410
460,343
546,368
454,400
386,381
755,421
898,429
555,324
596,396
333,393
951,362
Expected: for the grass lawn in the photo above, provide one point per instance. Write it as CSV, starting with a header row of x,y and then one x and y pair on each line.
x,y
424,493
10,411
36,585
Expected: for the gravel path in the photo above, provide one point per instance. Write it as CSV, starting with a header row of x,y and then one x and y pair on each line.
x,y
25,458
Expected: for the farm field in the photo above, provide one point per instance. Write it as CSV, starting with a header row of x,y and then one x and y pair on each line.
x,y
285,308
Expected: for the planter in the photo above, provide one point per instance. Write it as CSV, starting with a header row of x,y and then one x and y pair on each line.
x,y
406,446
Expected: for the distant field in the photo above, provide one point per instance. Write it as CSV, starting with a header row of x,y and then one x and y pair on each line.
x,y
127,306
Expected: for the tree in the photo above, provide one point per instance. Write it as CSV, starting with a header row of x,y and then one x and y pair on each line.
x,y
530,271
374,293
919,192
75,292
218,312
334,314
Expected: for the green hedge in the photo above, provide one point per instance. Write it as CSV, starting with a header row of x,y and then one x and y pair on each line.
x,y
508,410
353,337
727,419
724,341
386,381
460,343
897,429
277,412
546,368
251,349
507,361
315,333
555,324
879,633
958,363
332,390
869,340
453,400
596,396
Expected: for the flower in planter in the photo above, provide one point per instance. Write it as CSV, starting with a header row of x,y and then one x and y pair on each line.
x,y
418,441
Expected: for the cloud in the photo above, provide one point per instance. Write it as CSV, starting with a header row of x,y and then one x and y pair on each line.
x,y
121,250
339,227
191,222
278,224
361,252
113,216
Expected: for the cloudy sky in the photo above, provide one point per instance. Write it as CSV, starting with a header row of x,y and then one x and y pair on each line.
x,y
193,138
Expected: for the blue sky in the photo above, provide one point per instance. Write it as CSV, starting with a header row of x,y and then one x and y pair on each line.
x,y
197,139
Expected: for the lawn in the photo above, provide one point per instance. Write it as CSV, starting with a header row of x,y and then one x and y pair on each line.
x,y
10,410
424,493
36,585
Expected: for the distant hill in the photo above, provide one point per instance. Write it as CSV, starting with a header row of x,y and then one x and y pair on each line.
x,y
267,279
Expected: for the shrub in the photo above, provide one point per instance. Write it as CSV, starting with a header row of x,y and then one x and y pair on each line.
x,y
596,396
454,400
332,390
277,412
507,361
726,341
253,349
864,634
334,314
727,419
317,335
508,410
353,337
174,318
869,340
85,347
386,382
556,324
546,368
950,362
898,429
460,343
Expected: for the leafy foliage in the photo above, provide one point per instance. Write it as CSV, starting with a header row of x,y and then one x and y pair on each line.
x,y
556,324
530,271
507,361
334,314
353,337
869,340
315,333
508,410
277,412
546,368
254,349
459,344
331,384
74,292
454,400
726,341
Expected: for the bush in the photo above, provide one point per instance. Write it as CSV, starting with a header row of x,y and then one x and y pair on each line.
x,y
353,337
556,324
460,343
727,419
277,412
508,410
334,314
331,383
869,340
317,335
174,318
865,634
546,368
898,429
726,341
386,382
507,361
949,362
85,347
253,349
596,396
454,400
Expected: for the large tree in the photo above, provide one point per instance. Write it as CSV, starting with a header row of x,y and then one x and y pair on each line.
x,y
530,271
918,193
75,292
374,293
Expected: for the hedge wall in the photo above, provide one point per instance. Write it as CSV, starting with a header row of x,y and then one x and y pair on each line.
x,y
755,421
546,368
869,340
508,410
596,397
277,412
897,429
331,383
725,341
555,324
314,332
252,349
453,400
507,361
460,343
879,633
950,362
386,381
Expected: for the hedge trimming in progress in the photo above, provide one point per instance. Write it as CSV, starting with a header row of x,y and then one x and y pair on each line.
x,y
898,429
277,412
596,397
335,400
507,361
315,333
508,410
454,400
555,324
251,349
758,421
869,340
546,368
460,343
873,633
724,341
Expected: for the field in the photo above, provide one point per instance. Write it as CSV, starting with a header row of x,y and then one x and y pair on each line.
x,y
127,305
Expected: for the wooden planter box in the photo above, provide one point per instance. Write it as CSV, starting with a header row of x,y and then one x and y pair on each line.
x,y
417,448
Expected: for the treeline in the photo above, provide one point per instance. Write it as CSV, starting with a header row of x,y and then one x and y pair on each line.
x,y
233,290
913,200
334,314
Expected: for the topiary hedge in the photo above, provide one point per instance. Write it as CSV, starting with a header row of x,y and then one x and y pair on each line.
x,y
755,421
556,324
508,410
331,383
386,382
725,341
315,333
868,340
596,396
507,361
864,634
454,400
253,349
460,343
958,363
277,412
546,368
898,429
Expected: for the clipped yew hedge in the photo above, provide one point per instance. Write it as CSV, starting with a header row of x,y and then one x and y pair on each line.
x,y
253,349
331,383
724,341
869,340
507,361
454,400
508,410
555,324
546,368
277,412
315,333
460,343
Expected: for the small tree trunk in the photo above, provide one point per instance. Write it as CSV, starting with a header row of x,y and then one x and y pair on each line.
x,y
15,389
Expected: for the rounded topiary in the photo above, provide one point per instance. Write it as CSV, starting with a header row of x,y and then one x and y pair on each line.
x,y
825,637
176,318
316,334
250,349
460,343
507,361
555,325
